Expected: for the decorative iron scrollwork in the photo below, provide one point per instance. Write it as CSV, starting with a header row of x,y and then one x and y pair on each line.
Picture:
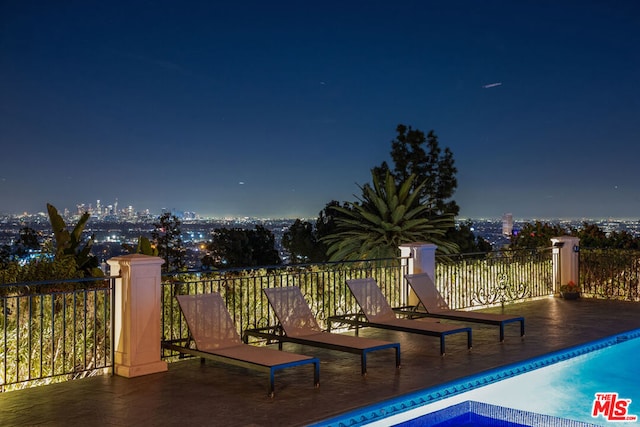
x,y
504,292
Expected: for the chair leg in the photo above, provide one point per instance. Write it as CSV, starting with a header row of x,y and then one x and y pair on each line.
x,y
316,374
271,384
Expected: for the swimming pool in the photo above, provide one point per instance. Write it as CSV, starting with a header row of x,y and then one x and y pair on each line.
x,y
562,384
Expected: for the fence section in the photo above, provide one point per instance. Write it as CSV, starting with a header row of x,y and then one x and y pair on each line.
x,y
465,281
610,273
500,277
323,285
55,331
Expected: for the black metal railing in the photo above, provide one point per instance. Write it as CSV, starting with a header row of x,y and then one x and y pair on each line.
x,y
55,330
499,277
60,330
323,285
464,280
610,273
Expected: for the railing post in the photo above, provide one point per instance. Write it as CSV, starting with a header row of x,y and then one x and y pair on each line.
x,y
137,315
421,259
566,257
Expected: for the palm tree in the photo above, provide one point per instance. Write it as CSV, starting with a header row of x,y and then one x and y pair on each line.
x,y
69,244
385,217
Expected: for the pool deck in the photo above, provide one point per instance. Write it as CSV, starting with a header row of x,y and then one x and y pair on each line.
x,y
214,394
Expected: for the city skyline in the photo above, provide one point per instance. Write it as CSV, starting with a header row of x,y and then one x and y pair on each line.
x,y
273,110
110,210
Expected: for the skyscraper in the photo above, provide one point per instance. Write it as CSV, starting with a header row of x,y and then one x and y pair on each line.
x,y
507,224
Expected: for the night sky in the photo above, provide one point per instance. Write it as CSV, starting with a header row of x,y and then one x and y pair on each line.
x,y
274,108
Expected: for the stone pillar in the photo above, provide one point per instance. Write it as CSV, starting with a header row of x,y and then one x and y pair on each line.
x,y
137,315
566,257
422,259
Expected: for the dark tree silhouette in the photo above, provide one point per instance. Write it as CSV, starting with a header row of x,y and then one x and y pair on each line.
x,y
238,247
413,153
167,238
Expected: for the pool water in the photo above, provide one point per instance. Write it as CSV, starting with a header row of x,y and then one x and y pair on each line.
x,y
567,389
561,384
480,414
471,420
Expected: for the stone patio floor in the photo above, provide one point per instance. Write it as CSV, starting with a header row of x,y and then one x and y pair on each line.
x,y
214,394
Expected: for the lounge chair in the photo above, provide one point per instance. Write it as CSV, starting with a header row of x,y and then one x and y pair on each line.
x,y
216,338
300,326
432,304
379,314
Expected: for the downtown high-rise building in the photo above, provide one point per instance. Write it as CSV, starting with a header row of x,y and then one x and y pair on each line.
x,y
507,224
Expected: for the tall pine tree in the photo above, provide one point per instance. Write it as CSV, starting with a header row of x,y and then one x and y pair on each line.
x,y
413,153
